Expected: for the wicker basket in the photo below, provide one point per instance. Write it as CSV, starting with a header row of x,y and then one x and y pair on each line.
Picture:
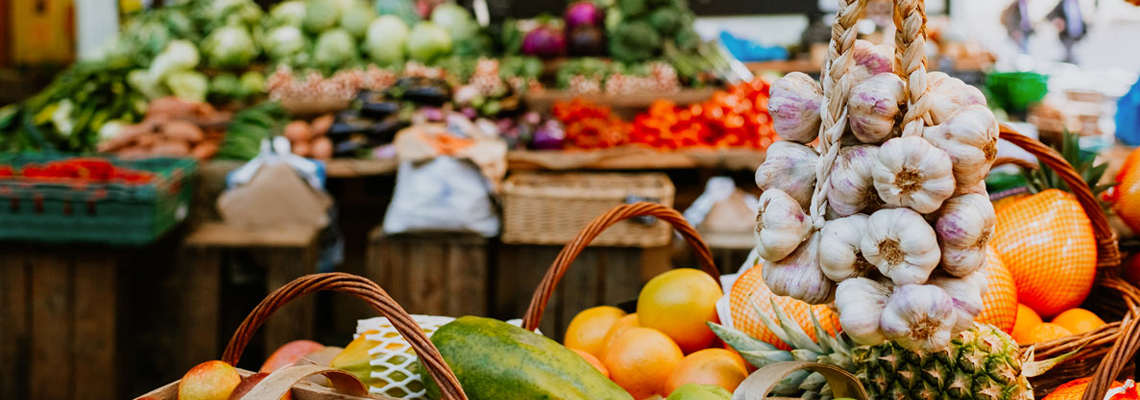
x,y
545,208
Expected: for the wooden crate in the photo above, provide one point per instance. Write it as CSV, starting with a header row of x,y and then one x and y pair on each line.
x,y
60,309
432,273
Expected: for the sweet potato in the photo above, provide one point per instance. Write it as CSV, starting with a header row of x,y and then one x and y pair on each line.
x,y
298,131
204,151
148,140
182,130
171,148
127,134
322,124
172,107
302,149
322,148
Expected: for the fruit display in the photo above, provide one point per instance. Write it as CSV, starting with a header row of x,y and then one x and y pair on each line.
x,y
73,170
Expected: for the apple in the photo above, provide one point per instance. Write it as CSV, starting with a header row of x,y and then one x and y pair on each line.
x,y
211,380
289,354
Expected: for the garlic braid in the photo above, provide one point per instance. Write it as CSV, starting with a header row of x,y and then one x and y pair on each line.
x,y
833,108
910,63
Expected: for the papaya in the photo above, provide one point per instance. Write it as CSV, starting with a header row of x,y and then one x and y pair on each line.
x,y
694,391
498,361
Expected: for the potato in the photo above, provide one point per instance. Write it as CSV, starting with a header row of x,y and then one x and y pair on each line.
x,y
298,131
172,107
171,148
183,130
322,148
147,140
322,124
302,149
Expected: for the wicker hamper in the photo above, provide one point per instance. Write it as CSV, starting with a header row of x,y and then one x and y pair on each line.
x,y
547,208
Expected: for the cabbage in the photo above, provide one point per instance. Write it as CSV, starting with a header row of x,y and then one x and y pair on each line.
x,y
387,36
290,13
225,86
428,42
229,47
356,17
456,20
188,85
178,55
283,41
334,49
321,15
252,83
234,12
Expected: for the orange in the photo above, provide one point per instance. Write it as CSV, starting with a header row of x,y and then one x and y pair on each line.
x,y
588,329
593,361
708,367
750,289
626,322
1007,200
1047,242
1079,320
641,359
1072,390
1127,191
680,303
1000,299
1027,319
1043,333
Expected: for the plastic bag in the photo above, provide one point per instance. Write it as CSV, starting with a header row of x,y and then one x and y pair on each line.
x,y
444,194
1128,116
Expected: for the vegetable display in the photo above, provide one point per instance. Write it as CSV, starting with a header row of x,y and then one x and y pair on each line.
x,y
172,128
93,170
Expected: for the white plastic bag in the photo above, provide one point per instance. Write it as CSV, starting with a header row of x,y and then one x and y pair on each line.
x,y
444,194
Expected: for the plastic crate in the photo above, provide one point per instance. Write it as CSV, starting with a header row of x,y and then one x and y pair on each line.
x,y
104,213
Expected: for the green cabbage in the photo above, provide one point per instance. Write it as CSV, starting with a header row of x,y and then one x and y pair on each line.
x,y
229,47
334,49
456,20
321,15
188,85
386,39
177,56
283,41
428,42
252,83
290,13
356,18
224,86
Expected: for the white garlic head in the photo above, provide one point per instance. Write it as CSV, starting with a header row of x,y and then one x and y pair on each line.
x,y
840,254
969,137
799,276
873,107
912,173
789,167
793,103
948,95
964,227
901,244
966,293
919,317
869,60
781,225
861,302
851,186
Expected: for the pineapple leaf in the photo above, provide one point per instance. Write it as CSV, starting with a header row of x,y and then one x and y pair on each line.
x,y
771,325
806,355
1031,368
800,339
791,384
761,358
813,382
826,341
1084,162
739,340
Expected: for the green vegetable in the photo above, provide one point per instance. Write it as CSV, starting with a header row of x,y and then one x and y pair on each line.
x,y
188,85
252,83
666,20
230,47
498,361
403,9
225,86
635,41
140,81
693,391
287,13
283,41
321,15
334,49
232,13
179,55
386,39
511,36
456,20
356,18
632,8
428,42
249,127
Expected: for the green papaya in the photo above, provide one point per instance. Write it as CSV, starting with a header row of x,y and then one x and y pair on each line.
x,y
498,361
693,391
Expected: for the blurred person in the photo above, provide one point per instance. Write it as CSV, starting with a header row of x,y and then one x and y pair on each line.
x,y
1015,18
1071,26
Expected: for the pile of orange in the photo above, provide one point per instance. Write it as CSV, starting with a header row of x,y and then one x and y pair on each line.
x,y
1030,328
665,344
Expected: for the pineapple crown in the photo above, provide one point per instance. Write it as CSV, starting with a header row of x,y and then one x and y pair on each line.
x,y
1084,162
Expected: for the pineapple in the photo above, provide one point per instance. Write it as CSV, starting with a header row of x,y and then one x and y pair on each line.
x,y
980,363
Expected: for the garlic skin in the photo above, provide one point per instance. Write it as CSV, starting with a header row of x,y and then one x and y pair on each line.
x,y
789,167
840,255
912,173
861,302
781,225
969,137
869,60
919,317
949,95
966,293
794,106
873,107
851,186
901,244
964,228
799,275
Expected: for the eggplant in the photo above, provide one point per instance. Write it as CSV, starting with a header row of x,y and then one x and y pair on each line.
x,y
374,105
421,90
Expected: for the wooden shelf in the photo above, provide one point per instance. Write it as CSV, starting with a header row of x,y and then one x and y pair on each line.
x,y
634,158
543,101
353,168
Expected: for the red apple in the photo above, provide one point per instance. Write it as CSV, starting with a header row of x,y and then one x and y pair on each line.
x,y
289,354
211,380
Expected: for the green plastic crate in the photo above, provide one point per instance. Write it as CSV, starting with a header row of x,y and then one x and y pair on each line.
x,y
103,213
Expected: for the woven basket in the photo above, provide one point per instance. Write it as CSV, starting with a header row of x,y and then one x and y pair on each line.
x,y
544,208
1111,298
361,288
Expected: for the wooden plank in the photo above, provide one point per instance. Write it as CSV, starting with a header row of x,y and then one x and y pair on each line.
x,y
52,328
466,265
543,101
221,235
295,320
15,275
354,168
95,347
622,274
197,280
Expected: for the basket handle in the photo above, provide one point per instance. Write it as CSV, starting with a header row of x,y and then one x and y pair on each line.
x,y
1114,362
363,289
280,382
1108,250
760,383
596,227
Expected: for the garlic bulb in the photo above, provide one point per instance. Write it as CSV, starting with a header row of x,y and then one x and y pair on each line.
x,y
794,105
977,188
948,95
969,137
919,317
901,244
966,293
965,225
840,255
851,186
869,60
789,167
781,225
861,302
799,276
913,173
873,107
